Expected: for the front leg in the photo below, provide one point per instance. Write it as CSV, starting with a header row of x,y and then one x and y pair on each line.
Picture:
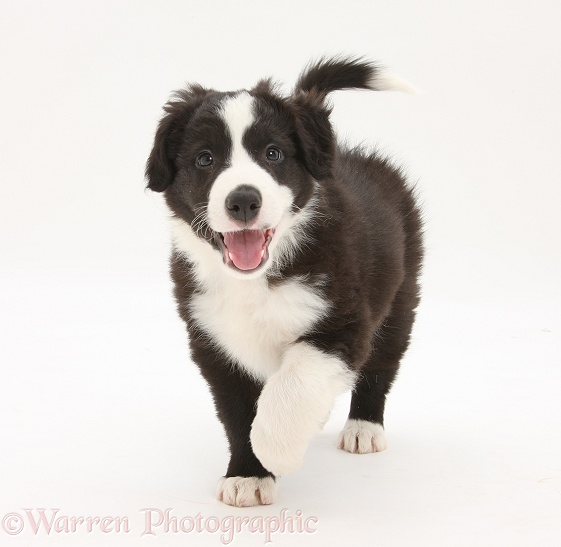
x,y
294,405
235,394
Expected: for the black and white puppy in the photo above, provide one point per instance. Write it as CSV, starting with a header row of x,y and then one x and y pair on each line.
x,y
295,265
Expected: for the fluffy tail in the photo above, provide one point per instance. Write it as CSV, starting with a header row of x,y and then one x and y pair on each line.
x,y
327,75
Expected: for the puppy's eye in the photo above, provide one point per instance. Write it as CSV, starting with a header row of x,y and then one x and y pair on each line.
x,y
205,159
273,154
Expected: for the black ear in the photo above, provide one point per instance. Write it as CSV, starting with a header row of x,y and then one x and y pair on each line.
x,y
161,166
315,134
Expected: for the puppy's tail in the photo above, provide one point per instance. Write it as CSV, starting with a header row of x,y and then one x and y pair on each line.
x,y
327,75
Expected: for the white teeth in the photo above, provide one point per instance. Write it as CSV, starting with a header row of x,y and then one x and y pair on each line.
x,y
231,257
262,253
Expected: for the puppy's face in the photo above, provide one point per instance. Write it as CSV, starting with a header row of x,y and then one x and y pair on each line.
x,y
240,170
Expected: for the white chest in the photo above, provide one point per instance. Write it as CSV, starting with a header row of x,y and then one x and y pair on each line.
x,y
254,324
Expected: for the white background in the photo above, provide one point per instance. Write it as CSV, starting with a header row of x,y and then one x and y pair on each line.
x,y
102,414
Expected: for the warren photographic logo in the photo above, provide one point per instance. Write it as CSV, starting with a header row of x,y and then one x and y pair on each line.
x,y
156,522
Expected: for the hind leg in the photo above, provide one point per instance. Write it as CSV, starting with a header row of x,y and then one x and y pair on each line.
x,y
364,431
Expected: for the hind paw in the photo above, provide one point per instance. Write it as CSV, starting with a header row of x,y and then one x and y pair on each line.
x,y
362,437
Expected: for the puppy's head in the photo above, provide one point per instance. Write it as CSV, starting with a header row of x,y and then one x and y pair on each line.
x,y
239,171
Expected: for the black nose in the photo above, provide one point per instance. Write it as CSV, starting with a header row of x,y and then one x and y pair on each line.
x,y
243,203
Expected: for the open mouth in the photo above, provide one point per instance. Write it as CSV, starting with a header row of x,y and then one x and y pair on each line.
x,y
245,250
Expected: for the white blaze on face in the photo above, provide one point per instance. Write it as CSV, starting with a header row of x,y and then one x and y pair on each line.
x,y
237,113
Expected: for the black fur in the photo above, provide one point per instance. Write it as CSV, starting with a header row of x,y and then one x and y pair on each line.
x,y
336,74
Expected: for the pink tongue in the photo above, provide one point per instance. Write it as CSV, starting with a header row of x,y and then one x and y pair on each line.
x,y
245,248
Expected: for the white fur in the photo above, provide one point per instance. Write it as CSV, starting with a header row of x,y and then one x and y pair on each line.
x,y
254,324
237,113
294,405
384,80
362,437
247,491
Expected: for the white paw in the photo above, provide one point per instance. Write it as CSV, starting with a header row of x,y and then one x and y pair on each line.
x,y
362,437
247,491
279,451
294,404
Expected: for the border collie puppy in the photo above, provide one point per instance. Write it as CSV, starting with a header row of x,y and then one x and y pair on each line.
x,y
295,264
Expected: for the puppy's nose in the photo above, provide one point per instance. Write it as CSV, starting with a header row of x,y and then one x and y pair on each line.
x,y
243,203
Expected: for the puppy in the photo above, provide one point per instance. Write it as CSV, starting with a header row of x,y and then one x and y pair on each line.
x,y
295,263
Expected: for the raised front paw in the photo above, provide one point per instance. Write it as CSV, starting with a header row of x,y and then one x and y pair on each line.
x,y
362,437
294,404
247,491
279,450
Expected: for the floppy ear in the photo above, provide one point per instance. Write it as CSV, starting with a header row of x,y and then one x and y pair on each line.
x,y
315,134
161,166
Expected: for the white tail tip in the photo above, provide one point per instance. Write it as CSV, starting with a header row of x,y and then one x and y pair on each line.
x,y
388,81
